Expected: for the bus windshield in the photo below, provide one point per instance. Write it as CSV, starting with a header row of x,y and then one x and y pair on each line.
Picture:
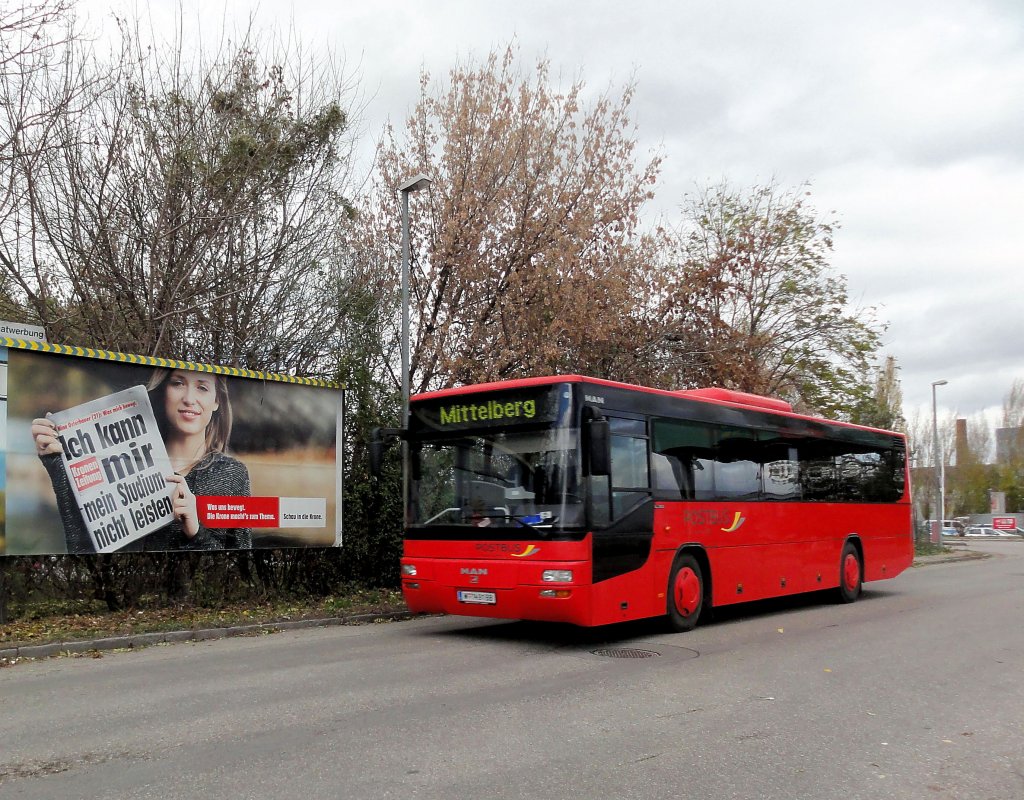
x,y
498,479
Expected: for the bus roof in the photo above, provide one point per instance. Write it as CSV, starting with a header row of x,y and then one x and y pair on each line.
x,y
715,395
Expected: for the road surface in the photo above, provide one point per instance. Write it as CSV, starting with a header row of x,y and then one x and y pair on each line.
x,y
915,691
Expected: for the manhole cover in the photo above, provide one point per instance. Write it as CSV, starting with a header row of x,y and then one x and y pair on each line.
x,y
624,652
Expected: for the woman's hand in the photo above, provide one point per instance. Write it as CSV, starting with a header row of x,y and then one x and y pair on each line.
x,y
184,505
44,433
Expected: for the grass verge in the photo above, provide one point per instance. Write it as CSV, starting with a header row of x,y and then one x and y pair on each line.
x,y
83,620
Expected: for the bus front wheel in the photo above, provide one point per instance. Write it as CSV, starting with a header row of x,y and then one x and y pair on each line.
x,y
685,594
851,574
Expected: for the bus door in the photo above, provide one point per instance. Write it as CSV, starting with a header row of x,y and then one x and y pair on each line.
x,y
622,514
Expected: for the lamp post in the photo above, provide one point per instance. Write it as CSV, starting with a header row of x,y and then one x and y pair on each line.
x,y
940,467
413,184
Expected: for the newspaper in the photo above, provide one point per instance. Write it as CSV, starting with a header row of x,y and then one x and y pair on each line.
x,y
115,461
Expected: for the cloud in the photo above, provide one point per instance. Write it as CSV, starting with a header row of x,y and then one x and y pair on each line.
x,y
905,117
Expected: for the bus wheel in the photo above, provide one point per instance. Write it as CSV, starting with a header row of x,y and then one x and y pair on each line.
x,y
685,594
851,574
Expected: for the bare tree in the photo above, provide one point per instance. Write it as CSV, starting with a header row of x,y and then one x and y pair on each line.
x,y
884,408
1010,470
1013,406
922,455
196,207
35,42
969,482
42,58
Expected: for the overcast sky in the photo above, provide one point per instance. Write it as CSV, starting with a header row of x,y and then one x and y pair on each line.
x,y
906,118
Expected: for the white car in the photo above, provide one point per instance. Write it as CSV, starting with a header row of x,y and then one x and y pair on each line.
x,y
949,527
988,530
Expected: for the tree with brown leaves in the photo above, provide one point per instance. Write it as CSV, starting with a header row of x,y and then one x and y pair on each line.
x,y
527,257
751,275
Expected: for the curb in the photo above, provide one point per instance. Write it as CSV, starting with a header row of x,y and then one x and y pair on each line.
x,y
948,558
9,655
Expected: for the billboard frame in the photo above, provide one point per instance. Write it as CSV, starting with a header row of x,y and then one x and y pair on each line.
x,y
213,369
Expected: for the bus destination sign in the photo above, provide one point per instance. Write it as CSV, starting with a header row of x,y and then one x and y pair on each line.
x,y
461,412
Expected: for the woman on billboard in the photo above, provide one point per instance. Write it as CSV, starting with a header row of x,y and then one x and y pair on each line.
x,y
193,414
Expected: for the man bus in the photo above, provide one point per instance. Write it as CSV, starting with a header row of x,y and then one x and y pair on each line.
x,y
580,500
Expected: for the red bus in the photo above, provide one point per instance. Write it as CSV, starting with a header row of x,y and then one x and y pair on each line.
x,y
580,500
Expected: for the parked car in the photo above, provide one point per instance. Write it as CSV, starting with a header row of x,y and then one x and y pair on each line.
x,y
988,530
950,527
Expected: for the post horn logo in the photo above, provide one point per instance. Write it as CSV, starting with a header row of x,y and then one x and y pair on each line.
x,y
529,551
737,521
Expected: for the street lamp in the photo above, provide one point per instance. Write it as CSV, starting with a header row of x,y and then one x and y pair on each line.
x,y
940,469
413,184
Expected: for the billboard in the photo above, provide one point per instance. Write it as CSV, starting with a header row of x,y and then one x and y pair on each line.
x,y
107,452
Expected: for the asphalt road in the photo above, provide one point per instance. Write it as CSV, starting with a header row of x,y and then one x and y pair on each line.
x,y
916,691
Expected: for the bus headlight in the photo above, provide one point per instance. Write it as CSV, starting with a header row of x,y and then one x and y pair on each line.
x,y
557,576
409,570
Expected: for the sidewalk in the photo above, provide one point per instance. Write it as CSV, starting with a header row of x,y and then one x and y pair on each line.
x,y
954,555
12,654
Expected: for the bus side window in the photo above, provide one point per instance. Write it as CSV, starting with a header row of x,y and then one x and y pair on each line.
x,y
737,471
670,478
630,478
687,447
628,483
599,500
780,473
629,462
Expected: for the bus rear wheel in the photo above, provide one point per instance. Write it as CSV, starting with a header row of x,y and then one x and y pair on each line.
x,y
685,594
851,574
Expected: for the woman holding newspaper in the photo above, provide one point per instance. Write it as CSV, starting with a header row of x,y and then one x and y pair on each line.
x,y
193,414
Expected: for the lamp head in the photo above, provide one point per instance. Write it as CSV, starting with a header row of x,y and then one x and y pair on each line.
x,y
415,183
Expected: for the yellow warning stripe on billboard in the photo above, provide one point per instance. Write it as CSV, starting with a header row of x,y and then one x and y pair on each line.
x,y
168,363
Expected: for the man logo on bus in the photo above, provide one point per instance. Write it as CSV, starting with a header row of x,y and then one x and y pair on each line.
x,y
736,522
529,551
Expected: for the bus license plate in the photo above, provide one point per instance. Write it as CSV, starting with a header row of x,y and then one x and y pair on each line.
x,y
485,598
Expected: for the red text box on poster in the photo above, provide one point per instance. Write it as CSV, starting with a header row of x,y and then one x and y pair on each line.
x,y
238,512
1004,523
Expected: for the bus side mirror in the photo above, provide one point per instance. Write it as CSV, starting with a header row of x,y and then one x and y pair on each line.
x,y
377,444
599,447
376,456
415,468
